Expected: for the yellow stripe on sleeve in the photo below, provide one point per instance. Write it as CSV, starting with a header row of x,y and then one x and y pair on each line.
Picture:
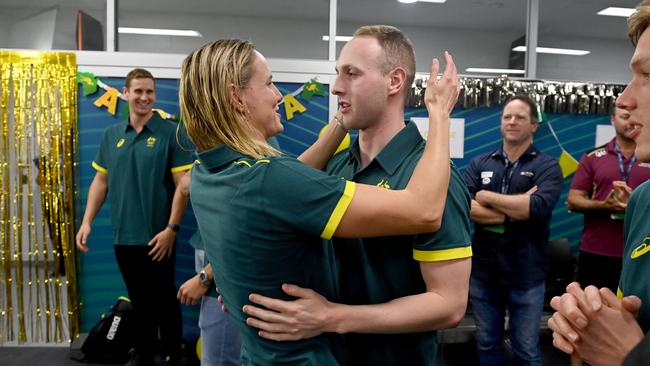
x,y
442,254
182,168
619,293
339,210
99,168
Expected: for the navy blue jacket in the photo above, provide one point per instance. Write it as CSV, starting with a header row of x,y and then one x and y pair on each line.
x,y
518,257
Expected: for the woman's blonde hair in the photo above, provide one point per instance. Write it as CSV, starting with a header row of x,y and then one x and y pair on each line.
x,y
207,110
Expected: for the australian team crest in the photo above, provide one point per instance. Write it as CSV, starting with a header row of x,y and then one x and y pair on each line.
x,y
383,184
151,141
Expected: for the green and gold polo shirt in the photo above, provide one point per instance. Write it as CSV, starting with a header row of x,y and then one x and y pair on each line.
x,y
378,270
140,182
261,224
635,277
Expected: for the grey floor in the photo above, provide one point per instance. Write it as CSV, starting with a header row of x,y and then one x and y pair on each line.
x,y
453,354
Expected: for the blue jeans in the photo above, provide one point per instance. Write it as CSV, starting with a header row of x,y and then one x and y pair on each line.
x,y
220,339
219,336
489,303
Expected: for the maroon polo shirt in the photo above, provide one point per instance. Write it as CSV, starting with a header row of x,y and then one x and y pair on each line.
x,y
602,234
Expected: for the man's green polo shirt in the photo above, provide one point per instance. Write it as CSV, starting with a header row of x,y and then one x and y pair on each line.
x,y
140,182
635,277
261,222
378,270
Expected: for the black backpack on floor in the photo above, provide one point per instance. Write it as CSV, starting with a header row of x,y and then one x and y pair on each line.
x,y
110,340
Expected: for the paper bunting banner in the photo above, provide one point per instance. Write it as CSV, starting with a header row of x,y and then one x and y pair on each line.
x,y
311,88
108,100
292,105
90,84
568,163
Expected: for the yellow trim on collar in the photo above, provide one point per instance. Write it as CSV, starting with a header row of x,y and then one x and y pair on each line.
x,y
243,162
182,168
339,210
442,254
99,168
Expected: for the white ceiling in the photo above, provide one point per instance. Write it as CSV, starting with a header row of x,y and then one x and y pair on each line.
x,y
557,17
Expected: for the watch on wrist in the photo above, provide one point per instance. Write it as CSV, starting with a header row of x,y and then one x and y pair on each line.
x,y
203,277
174,227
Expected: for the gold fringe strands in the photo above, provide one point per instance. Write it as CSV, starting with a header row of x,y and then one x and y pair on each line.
x,y
38,153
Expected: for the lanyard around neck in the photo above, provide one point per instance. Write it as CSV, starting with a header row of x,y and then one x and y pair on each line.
x,y
507,176
625,173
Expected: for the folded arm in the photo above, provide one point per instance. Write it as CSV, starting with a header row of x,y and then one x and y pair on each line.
x,y
516,206
485,215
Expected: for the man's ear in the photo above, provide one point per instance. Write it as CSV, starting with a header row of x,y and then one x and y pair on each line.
x,y
397,81
236,99
125,90
535,126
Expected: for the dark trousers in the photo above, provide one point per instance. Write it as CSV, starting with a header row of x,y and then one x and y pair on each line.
x,y
599,270
153,295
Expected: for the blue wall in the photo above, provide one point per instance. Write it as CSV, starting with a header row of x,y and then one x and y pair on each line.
x,y
100,282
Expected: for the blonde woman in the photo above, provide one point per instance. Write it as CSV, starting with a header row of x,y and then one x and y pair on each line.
x,y
261,215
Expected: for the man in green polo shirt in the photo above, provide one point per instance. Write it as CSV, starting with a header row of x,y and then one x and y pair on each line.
x,y
140,162
415,284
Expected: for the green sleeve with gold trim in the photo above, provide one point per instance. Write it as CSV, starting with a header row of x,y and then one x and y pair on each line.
x,y
304,198
453,240
182,157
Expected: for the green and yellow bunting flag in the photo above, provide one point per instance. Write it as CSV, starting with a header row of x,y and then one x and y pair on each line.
x,y
111,97
88,82
311,88
568,164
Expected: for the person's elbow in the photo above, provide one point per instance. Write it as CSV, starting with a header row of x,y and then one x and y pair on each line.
x,y
429,221
520,215
476,217
571,204
456,313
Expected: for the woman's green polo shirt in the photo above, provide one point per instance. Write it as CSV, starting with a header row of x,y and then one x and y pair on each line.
x,y
261,224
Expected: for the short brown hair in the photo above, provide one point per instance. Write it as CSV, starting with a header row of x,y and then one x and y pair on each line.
x,y
534,116
398,50
138,74
638,22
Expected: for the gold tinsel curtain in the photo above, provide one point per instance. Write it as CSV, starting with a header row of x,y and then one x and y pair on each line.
x,y
38,143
